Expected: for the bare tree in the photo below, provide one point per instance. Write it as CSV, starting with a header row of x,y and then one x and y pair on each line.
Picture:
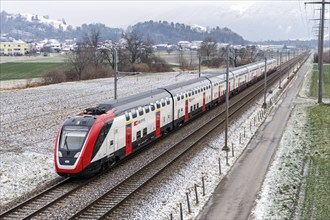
x,y
182,61
134,46
79,60
86,54
208,47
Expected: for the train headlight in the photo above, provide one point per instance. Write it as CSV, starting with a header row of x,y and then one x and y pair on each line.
x,y
77,155
59,154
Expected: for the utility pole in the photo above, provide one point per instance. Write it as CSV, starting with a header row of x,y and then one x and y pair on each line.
x,y
279,84
288,60
264,105
115,58
226,148
321,39
199,66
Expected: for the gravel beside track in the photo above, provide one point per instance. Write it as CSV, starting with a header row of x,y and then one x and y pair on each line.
x,y
30,119
70,205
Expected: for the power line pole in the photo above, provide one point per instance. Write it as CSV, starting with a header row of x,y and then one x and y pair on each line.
x,y
264,105
115,58
321,39
226,148
279,84
199,66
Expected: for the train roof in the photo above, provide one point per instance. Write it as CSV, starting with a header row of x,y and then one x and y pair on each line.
x,y
145,98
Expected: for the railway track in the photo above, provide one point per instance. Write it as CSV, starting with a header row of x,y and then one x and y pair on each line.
x,y
30,206
110,201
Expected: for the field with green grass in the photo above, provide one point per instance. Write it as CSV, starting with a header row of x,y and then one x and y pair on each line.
x,y
326,82
22,70
316,203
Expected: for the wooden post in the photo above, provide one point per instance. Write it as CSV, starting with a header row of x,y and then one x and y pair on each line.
x,y
203,185
188,203
196,194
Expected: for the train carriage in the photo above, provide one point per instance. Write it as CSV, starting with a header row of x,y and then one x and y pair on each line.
x,y
112,131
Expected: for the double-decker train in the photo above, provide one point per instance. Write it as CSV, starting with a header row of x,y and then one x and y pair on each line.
x,y
111,131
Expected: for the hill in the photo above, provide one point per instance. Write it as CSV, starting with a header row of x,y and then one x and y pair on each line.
x,y
33,28
165,32
30,27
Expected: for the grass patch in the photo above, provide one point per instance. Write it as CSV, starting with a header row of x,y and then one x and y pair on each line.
x,y
316,203
20,70
326,82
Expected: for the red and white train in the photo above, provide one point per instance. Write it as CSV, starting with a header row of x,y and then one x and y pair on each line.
x,y
112,131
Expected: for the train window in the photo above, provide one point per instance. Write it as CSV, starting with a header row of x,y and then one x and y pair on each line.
x,y
182,109
163,103
140,111
127,116
134,114
111,142
186,95
178,98
199,90
152,107
168,102
189,94
191,108
182,97
158,104
147,109
197,105
138,135
145,132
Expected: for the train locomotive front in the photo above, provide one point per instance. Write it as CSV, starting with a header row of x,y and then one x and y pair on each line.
x,y
78,141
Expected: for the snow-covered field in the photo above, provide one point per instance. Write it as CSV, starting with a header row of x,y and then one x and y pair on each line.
x,y
30,119
278,196
164,200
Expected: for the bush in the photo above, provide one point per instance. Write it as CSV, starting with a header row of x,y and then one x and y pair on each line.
x,y
53,76
92,72
160,65
71,75
136,67
213,62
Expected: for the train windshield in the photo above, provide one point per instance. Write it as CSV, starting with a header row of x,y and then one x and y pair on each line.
x,y
73,138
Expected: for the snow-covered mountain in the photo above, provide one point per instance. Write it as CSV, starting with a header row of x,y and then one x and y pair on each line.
x,y
198,28
254,20
58,24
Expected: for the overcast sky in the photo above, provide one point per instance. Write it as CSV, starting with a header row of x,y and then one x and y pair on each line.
x,y
254,20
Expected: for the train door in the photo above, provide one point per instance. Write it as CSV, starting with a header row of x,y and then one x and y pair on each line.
x,y
128,149
204,106
238,85
157,123
116,139
186,116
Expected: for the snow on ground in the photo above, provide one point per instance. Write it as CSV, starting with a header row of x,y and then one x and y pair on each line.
x,y
30,120
277,198
162,201
304,92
